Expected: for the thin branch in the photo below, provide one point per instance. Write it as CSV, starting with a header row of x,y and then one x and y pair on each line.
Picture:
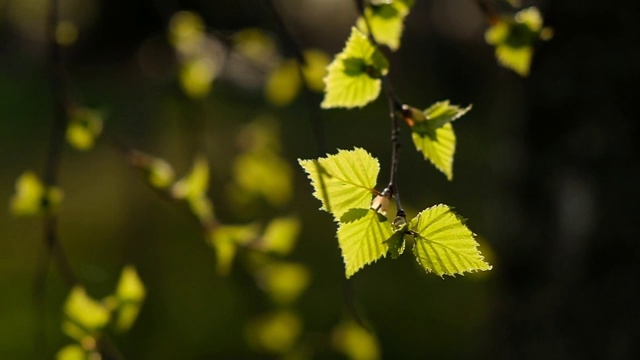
x,y
488,10
395,107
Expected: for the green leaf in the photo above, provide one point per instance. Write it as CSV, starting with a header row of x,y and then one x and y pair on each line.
x,y
130,293
193,188
343,181
355,342
274,333
84,315
32,197
85,125
386,21
72,352
196,183
514,37
353,78
364,240
226,238
160,173
396,244
443,244
433,134
280,235
284,282
283,83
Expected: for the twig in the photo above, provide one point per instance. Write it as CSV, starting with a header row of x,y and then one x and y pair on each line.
x,y
489,12
395,107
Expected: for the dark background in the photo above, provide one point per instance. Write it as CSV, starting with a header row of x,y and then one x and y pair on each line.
x,y
545,171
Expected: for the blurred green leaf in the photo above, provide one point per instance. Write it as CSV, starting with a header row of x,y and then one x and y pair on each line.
x,y
315,68
130,293
280,235
32,197
84,316
353,78
283,83
284,282
266,174
355,342
226,238
514,38
274,333
73,352
343,181
85,125
443,244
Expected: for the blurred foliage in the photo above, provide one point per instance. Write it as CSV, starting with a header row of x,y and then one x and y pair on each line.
x,y
85,125
514,38
32,197
527,190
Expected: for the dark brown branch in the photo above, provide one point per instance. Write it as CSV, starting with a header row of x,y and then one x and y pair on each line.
x,y
395,107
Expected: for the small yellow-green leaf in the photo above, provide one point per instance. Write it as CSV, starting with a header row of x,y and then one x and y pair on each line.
x,y
130,287
315,68
196,183
226,238
160,173
284,282
355,342
266,174
84,315
386,21
130,293
197,75
85,125
514,38
32,197
438,146
274,333
280,235
363,239
433,134
283,84
443,243
343,181
72,352
353,78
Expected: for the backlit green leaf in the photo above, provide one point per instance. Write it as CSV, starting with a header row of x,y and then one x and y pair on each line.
x,y
32,197
225,240
343,181
84,315
433,134
274,333
284,282
72,352
363,239
386,21
353,78
280,235
130,293
85,125
514,37
443,243
283,83
355,342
